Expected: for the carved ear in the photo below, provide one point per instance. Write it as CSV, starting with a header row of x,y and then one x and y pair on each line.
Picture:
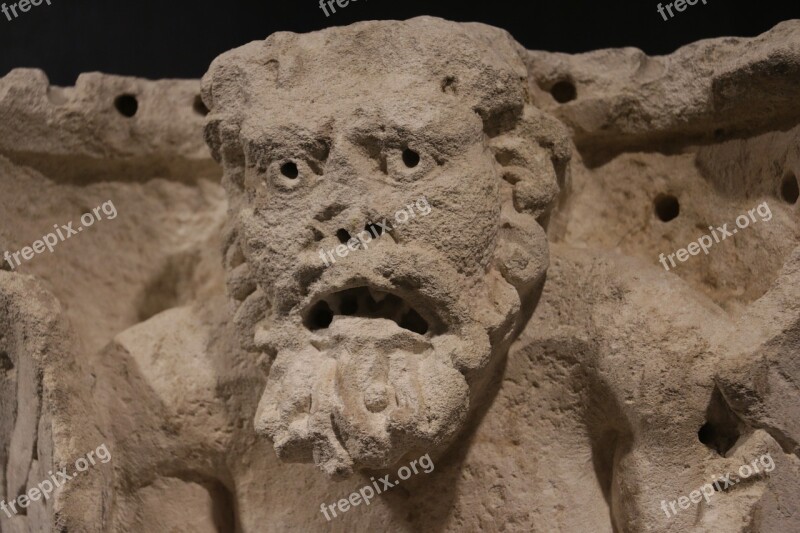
x,y
534,159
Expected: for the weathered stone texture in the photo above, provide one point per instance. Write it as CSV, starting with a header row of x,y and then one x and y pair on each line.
x,y
517,326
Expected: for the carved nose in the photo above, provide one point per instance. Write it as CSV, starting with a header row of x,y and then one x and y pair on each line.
x,y
369,232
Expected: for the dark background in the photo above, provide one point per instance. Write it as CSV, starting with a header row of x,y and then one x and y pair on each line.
x,y
178,39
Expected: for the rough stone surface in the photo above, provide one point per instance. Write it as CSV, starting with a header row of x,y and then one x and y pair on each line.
x,y
251,339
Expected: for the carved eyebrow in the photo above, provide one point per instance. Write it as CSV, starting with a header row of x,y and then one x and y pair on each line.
x,y
439,143
289,140
395,137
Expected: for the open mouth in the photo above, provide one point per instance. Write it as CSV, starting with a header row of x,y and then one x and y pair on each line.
x,y
366,302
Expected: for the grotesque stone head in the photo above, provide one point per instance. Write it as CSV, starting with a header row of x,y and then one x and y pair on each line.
x,y
387,182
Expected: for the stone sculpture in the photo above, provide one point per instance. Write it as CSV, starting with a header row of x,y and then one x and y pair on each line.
x,y
514,323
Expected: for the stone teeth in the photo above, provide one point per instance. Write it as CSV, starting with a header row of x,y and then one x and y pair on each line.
x,y
377,295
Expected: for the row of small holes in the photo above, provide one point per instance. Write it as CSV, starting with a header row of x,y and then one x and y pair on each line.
x,y
667,206
128,105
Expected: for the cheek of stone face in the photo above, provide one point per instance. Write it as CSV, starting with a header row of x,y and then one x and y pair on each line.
x,y
273,249
465,209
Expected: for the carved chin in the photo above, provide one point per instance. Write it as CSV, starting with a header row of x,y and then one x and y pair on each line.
x,y
361,397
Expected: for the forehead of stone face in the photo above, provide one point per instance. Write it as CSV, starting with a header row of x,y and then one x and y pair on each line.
x,y
419,118
401,70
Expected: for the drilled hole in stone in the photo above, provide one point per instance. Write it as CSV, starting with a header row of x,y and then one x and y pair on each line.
x,y
199,107
410,158
343,235
667,207
289,170
127,105
564,91
789,189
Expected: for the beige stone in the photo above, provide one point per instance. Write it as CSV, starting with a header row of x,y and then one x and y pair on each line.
x,y
258,331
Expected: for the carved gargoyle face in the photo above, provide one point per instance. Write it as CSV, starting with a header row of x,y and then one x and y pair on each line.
x,y
381,260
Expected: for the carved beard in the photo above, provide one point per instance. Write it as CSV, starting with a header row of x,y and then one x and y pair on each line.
x,y
365,369
362,398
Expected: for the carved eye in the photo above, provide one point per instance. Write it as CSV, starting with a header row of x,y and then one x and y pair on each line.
x,y
410,158
407,163
289,170
287,174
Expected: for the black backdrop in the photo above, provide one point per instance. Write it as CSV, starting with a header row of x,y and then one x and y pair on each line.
x,y
179,38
